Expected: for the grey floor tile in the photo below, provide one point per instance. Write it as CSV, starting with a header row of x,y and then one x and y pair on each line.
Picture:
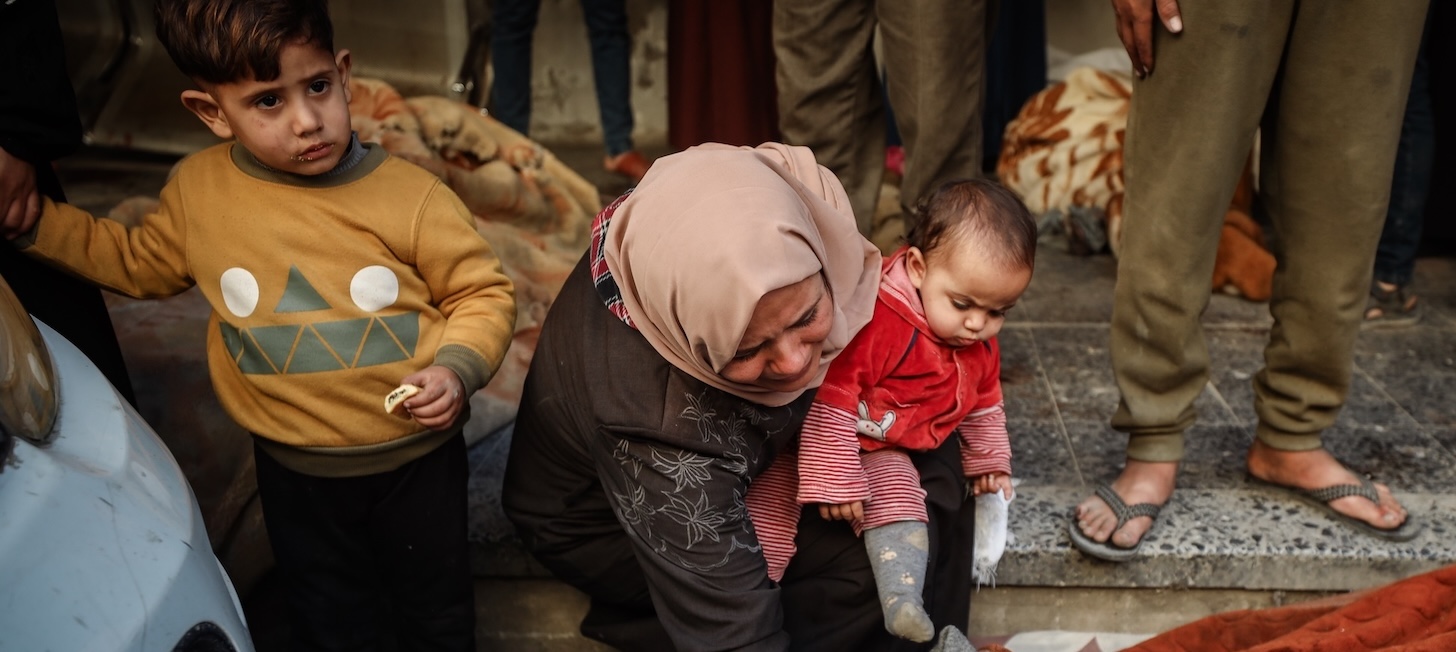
x,y
1235,355
1416,367
1100,451
1444,435
1436,291
1371,404
1024,385
1213,457
1067,288
1225,309
1078,370
1041,454
1407,459
1238,354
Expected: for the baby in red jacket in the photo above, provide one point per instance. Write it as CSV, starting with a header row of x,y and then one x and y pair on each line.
x,y
926,366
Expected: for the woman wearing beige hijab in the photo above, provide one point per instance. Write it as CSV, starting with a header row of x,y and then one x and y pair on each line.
x,y
677,361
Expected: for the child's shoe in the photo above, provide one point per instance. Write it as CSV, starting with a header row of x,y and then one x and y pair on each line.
x,y
630,164
1395,307
895,160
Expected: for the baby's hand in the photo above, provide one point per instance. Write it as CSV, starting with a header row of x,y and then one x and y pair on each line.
x,y
842,511
992,483
441,397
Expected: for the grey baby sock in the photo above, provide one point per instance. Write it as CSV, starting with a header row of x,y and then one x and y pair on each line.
x,y
898,555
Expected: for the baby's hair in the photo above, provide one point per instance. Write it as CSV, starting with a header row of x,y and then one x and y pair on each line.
x,y
981,210
225,41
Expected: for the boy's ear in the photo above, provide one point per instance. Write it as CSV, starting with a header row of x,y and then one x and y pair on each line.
x,y
205,107
343,62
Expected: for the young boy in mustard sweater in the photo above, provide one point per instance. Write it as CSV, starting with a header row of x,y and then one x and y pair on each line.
x,y
336,274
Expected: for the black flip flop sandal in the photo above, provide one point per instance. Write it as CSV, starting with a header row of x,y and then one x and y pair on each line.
x,y
1322,498
1108,551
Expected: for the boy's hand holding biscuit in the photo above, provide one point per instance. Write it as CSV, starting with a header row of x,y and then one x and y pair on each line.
x,y
433,396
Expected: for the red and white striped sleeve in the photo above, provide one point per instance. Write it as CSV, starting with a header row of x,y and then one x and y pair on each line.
x,y
985,444
830,470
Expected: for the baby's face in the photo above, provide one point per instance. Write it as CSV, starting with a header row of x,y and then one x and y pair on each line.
x,y
298,122
965,293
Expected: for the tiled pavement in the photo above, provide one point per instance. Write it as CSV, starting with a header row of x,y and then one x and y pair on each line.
x,y
1220,532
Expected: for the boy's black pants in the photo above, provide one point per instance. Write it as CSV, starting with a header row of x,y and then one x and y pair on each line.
x,y
372,559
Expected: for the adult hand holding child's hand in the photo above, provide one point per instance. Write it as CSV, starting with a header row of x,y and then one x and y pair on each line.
x,y
440,400
19,201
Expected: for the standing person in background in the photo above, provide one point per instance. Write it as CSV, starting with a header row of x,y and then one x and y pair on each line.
x,y
829,90
1224,69
1391,303
513,27
39,124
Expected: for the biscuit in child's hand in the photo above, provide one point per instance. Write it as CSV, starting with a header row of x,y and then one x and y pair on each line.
x,y
397,397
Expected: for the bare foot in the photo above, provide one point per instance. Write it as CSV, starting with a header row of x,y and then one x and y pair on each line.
x,y
1317,469
1140,482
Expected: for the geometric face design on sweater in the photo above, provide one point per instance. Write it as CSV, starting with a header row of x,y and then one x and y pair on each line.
x,y
329,344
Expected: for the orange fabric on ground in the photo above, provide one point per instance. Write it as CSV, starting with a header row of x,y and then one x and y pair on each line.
x,y
1413,615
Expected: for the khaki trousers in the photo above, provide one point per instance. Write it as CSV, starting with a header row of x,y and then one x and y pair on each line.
x,y
830,100
1328,81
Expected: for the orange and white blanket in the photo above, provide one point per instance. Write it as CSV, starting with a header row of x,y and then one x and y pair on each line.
x,y
1064,149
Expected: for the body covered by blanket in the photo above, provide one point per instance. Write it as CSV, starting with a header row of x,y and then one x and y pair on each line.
x,y
1414,614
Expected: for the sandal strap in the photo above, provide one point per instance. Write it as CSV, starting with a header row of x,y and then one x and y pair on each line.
x,y
1364,490
1122,510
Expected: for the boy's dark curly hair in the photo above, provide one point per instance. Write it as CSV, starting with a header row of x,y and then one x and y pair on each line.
x,y
224,41
980,209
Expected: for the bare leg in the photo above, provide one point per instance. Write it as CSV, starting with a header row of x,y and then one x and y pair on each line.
x,y
1316,469
1140,482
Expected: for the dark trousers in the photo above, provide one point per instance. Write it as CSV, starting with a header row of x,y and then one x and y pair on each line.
x,y
513,25
375,559
1395,259
830,98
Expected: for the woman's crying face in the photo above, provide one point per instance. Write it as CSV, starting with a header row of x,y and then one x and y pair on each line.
x,y
782,344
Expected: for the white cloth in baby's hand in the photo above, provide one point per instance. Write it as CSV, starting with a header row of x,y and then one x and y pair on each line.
x,y
992,512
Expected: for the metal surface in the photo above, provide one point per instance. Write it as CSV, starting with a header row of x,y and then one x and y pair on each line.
x,y
27,380
102,545
96,42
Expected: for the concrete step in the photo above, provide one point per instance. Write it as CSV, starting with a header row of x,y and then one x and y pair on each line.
x,y
1214,550
1243,539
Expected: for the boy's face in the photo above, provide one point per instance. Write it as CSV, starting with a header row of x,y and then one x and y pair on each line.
x,y
296,123
966,294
